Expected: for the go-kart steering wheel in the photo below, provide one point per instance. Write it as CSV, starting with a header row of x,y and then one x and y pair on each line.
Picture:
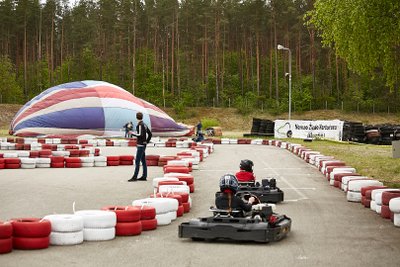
x,y
247,195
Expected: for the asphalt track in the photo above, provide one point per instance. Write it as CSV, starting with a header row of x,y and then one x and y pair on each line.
x,y
326,229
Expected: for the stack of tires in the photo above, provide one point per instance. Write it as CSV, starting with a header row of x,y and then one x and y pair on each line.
x,y
386,198
99,225
31,233
164,159
100,161
73,162
6,243
112,160
165,208
255,128
2,163
152,160
66,229
354,188
366,194
128,220
57,162
148,218
87,161
12,163
28,163
126,160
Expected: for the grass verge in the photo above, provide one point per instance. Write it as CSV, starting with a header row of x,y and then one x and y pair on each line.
x,y
375,161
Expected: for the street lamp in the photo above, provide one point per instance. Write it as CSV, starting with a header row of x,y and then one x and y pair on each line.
x,y
281,47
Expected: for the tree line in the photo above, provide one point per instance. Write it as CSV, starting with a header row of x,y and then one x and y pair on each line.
x,y
205,52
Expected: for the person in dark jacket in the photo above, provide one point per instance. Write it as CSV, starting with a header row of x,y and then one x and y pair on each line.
x,y
143,135
227,200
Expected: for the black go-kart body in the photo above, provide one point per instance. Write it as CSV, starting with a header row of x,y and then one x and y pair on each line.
x,y
261,226
267,191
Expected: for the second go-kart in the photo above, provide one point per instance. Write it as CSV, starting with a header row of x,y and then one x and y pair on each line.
x,y
261,224
267,191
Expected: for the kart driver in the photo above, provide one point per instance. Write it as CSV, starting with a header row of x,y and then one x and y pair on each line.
x,y
227,200
246,175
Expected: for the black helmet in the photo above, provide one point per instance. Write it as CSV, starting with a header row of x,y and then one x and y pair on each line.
x,y
246,165
228,181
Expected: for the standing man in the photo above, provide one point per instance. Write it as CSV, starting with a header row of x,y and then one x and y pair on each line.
x,y
143,135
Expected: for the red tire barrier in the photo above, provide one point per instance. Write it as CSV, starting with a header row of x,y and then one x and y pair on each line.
x,y
57,159
369,188
339,176
388,195
19,146
365,202
112,163
191,188
385,212
125,162
6,245
12,161
73,165
30,227
148,225
27,146
112,158
83,142
125,213
34,154
12,166
2,166
185,196
128,228
147,212
126,157
189,179
179,169
73,153
186,207
151,163
84,153
72,160
57,165
5,230
29,243
19,140
171,183
180,211
153,157
46,153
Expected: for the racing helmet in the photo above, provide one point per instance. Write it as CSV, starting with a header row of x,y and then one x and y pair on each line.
x,y
228,181
246,165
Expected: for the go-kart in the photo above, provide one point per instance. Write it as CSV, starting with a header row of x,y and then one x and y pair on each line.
x,y
261,224
267,191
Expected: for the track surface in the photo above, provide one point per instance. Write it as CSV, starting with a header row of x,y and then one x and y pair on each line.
x,y
326,229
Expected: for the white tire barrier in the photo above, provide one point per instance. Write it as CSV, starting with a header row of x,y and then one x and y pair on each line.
x,y
394,205
162,205
23,154
65,222
10,155
162,179
356,185
98,234
174,188
346,179
98,218
353,196
178,163
372,205
66,239
66,229
163,219
341,170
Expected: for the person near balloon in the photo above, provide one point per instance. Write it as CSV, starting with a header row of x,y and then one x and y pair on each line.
x,y
143,135
128,128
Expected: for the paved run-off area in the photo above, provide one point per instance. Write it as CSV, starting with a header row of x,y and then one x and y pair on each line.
x,y
326,229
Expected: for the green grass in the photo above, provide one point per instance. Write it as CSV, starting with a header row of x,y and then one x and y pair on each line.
x,y
375,161
209,122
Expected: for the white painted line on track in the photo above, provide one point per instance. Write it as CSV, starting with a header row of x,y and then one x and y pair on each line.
x,y
302,196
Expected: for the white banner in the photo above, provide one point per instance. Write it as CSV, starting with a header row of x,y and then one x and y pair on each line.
x,y
332,130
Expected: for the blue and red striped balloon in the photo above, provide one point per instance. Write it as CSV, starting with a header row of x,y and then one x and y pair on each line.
x,y
89,107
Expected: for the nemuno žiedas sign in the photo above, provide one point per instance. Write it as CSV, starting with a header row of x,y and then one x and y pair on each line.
x,y
309,129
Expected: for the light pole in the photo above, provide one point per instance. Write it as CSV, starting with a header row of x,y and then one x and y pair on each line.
x,y
281,47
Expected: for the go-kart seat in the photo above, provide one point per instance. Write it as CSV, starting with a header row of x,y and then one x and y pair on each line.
x,y
226,213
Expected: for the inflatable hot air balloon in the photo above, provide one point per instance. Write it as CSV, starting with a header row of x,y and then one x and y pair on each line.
x,y
89,107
